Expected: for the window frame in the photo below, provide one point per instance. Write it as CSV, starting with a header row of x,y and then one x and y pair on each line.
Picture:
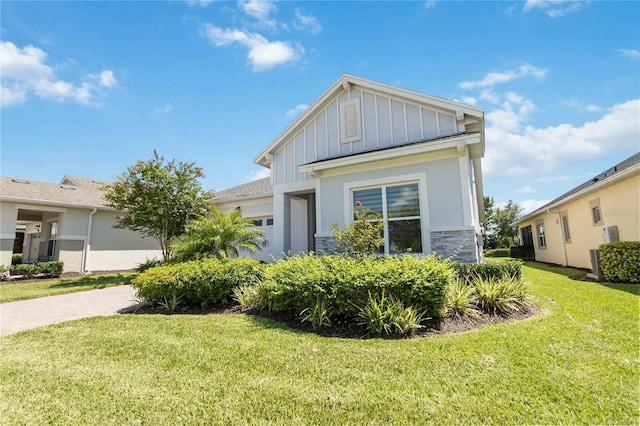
x,y
594,206
423,217
541,237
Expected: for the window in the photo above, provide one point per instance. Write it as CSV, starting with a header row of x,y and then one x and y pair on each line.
x,y
542,239
53,234
399,205
596,213
270,222
257,222
565,227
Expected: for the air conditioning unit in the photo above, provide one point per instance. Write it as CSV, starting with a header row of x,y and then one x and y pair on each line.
x,y
596,272
610,234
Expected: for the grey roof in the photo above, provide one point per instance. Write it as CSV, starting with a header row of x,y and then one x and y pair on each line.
x,y
607,174
255,189
72,190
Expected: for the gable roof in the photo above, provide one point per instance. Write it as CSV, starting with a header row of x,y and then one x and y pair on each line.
x,y
255,189
624,168
71,191
347,82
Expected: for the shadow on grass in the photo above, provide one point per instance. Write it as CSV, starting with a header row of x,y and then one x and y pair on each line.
x,y
633,288
571,273
95,282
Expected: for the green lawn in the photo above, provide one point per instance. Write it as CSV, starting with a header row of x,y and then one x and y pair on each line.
x,y
39,288
578,363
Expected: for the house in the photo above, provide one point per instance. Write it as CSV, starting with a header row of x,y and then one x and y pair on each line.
x,y
411,157
69,222
601,210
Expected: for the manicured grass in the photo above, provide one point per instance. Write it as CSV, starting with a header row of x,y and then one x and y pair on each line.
x,y
577,363
41,288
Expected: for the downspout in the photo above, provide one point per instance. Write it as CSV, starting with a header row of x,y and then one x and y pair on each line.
x,y
564,247
87,244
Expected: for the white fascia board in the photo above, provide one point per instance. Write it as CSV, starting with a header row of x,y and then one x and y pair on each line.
x,y
31,203
255,199
265,157
631,171
401,151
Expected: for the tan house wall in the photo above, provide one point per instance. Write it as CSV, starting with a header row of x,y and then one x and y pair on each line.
x,y
619,206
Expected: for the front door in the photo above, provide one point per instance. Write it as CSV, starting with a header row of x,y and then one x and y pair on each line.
x,y
34,247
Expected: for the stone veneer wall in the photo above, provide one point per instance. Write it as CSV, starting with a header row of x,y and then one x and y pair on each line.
x,y
327,245
460,245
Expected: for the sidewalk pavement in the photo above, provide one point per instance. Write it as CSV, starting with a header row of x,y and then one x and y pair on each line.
x,y
33,313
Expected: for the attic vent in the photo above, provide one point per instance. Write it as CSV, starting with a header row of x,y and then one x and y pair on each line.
x,y
68,187
350,125
26,182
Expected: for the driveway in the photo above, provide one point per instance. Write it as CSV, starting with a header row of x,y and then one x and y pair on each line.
x,y
33,313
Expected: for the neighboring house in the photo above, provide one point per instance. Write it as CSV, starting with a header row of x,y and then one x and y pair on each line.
x,y
70,223
413,158
603,209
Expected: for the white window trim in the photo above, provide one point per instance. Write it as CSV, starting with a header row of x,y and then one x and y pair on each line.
x,y
358,118
420,178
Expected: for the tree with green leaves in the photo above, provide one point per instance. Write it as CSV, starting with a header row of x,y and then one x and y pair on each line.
x,y
220,235
158,198
499,226
364,236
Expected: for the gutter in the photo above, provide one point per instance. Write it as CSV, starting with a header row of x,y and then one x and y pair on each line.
x,y
87,244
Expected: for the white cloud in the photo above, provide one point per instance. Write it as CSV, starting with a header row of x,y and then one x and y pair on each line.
x,y
489,95
306,22
554,8
531,205
525,190
24,71
263,54
430,4
199,3
163,110
258,174
629,53
261,11
470,100
107,79
513,150
494,78
593,108
294,112
574,103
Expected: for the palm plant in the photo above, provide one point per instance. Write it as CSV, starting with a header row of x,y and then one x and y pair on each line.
x,y
219,235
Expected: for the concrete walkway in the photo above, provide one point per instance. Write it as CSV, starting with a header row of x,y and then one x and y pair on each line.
x,y
33,313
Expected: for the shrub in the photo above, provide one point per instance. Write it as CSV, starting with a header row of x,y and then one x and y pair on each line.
x,y
295,284
319,315
488,271
207,282
364,236
461,300
16,258
150,263
501,296
4,273
27,270
620,262
247,296
388,315
51,269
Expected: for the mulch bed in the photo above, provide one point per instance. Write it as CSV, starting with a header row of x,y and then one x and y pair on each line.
x,y
437,327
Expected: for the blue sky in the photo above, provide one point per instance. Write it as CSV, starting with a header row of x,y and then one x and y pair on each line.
x,y
88,88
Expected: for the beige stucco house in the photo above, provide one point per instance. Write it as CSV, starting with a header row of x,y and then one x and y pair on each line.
x,y
603,209
413,158
69,222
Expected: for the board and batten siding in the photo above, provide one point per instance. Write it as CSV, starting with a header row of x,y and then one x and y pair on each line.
x,y
385,121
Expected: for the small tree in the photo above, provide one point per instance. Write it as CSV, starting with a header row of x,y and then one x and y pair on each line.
x,y
158,198
364,236
219,235
499,224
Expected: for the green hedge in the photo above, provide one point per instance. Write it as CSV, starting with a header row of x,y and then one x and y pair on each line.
x,y
16,258
206,283
346,283
51,269
620,262
488,271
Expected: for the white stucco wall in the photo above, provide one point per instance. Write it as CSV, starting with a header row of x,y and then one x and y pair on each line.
x,y
443,192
